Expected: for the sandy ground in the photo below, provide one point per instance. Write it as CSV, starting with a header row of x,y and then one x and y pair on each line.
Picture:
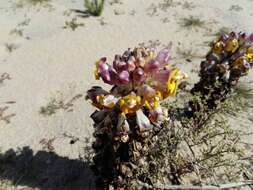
x,y
48,63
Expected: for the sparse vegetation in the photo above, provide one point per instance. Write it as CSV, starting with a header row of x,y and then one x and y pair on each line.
x,y
24,22
235,8
242,98
16,31
10,47
188,148
4,76
192,22
94,7
166,4
73,24
50,108
54,105
5,117
22,3
150,44
152,10
47,144
188,5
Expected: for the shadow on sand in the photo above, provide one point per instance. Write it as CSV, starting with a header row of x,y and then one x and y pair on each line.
x,y
45,170
82,13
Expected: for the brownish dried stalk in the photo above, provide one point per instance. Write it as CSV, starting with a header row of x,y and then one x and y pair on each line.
x,y
4,76
5,117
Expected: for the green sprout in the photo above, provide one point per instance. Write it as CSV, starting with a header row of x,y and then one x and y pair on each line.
x,y
94,7
191,22
73,24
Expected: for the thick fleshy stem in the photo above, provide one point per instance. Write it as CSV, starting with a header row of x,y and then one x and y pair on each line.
x,y
115,159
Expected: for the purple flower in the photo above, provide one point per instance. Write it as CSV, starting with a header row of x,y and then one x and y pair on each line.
x,y
162,76
119,65
131,64
146,91
124,77
110,76
164,56
138,75
152,66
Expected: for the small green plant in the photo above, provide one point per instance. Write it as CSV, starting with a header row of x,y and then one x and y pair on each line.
x,y
94,7
50,108
54,105
73,24
191,22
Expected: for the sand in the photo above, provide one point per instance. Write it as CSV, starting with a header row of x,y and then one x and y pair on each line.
x,y
49,62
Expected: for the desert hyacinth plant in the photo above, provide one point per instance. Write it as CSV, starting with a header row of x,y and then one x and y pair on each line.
x,y
131,110
138,140
229,58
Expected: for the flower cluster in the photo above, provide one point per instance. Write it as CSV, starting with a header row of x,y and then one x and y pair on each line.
x,y
230,57
141,79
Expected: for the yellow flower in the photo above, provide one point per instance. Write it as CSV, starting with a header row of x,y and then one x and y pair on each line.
x,y
232,45
106,101
218,47
175,78
97,77
249,53
101,65
153,102
96,74
130,103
